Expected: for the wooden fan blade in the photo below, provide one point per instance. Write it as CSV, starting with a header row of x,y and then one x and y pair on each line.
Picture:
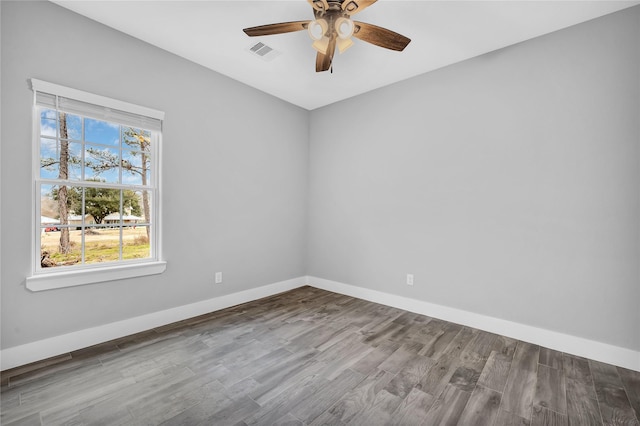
x,y
356,6
380,36
323,61
281,28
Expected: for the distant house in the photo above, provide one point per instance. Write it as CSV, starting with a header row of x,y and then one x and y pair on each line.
x,y
127,219
44,220
50,224
76,219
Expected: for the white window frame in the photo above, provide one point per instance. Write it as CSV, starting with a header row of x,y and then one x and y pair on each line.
x,y
51,278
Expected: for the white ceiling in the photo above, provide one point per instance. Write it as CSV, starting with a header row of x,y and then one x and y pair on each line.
x,y
441,32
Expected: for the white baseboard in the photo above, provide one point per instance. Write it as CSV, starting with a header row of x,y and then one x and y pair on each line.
x,y
598,351
53,346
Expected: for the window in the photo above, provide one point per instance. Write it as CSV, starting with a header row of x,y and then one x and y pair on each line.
x,y
96,188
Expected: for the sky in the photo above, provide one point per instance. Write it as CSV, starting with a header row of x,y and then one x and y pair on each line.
x,y
89,140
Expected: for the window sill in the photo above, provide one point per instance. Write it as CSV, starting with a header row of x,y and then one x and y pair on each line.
x,y
89,276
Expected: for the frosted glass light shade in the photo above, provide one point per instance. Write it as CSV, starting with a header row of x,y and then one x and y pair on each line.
x,y
344,44
317,29
321,45
344,27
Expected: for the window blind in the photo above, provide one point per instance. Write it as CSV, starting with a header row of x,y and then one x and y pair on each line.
x,y
77,102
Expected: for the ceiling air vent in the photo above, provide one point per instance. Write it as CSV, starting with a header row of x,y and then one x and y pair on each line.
x,y
262,50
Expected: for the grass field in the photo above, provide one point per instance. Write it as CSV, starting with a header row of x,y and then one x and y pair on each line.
x,y
101,245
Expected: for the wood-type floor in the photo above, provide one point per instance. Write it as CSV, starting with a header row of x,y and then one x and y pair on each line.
x,y
313,357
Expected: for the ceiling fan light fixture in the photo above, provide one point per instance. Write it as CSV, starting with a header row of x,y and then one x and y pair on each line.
x,y
334,30
344,27
343,44
317,29
321,45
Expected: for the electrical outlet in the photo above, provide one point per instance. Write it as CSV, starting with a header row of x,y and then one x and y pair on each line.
x,y
409,279
218,277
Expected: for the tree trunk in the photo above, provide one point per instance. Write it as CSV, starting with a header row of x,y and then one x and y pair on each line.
x,y
145,194
65,243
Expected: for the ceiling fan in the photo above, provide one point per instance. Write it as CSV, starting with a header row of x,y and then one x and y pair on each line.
x,y
333,27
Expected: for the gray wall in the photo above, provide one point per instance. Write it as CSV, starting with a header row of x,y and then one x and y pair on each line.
x,y
509,184
234,193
